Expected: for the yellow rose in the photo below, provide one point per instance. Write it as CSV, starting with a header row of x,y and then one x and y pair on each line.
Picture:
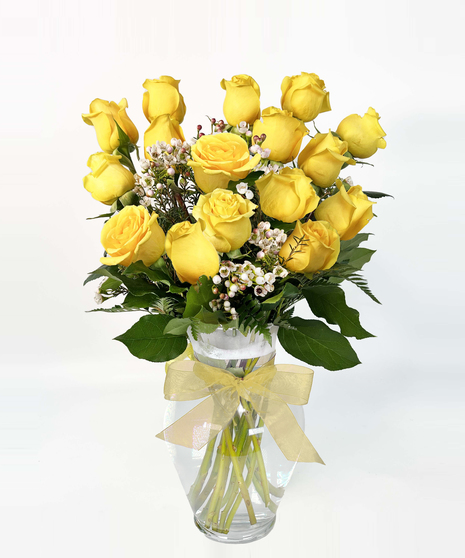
x,y
287,195
191,253
132,235
163,97
219,158
225,218
305,96
323,158
163,128
284,134
347,211
242,102
108,180
102,117
363,134
319,250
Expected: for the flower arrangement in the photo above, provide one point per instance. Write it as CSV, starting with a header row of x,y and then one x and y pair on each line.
x,y
230,229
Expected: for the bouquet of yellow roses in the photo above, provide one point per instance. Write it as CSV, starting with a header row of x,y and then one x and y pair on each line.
x,y
226,232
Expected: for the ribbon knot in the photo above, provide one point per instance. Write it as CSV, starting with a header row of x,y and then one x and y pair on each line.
x,y
269,389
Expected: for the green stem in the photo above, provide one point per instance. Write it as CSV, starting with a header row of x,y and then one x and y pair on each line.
x,y
222,470
210,483
233,490
256,445
240,479
238,501
203,472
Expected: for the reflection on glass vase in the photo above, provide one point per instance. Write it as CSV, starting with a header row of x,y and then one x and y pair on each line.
x,y
235,483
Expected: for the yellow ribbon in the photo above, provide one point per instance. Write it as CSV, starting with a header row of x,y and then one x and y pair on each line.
x,y
269,389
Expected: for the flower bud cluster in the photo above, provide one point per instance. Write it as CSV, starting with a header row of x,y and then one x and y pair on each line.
x,y
168,155
243,189
269,166
165,157
267,239
264,153
233,279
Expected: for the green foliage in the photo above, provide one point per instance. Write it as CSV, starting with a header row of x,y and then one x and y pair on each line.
x,y
328,302
177,326
198,297
315,343
146,339
377,195
250,180
109,286
155,275
140,302
137,286
287,227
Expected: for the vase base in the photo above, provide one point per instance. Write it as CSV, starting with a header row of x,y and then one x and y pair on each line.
x,y
239,533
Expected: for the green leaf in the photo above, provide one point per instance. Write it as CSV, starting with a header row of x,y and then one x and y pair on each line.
x,y
100,216
286,227
137,286
315,343
145,339
250,179
234,254
329,302
377,195
154,275
110,284
123,137
145,301
199,296
177,326
113,309
177,290
348,245
360,256
208,317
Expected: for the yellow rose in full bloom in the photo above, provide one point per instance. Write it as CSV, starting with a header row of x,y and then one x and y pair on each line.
x,y
219,158
284,134
287,195
225,218
305,96
191,253
242,101
363,134
323,158
132,235
102,117
163,97
108,180
347,211
163,128
319,250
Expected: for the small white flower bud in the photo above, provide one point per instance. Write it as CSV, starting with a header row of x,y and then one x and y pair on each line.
x,y
171,171
261,255
260,280
217,280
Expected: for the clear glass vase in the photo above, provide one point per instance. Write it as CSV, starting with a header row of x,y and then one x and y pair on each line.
x,y
236,482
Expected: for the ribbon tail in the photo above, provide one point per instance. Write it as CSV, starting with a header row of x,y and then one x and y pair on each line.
x,y
197,427
285,430
188,353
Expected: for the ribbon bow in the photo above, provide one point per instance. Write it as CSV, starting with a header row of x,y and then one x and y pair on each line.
x,y
269,389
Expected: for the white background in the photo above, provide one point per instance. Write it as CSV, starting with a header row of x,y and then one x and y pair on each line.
x,y
81,471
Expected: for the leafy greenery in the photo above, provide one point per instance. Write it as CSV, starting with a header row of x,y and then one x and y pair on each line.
x,y
199,296
146,339
136,286
315,343
377,195
328,302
